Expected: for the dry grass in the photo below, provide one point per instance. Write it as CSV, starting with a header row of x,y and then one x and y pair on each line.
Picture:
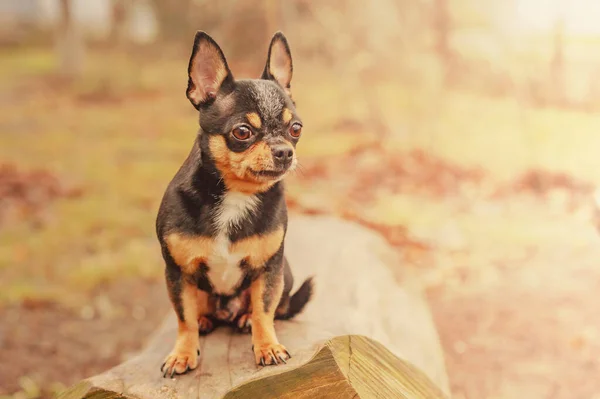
x,y
121,132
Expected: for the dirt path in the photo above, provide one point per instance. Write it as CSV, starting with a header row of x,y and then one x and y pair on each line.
x,y
528,327
46,347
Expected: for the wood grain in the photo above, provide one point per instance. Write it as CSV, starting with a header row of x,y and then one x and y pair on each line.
x,y
345,367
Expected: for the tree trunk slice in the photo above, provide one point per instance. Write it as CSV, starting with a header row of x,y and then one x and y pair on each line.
x,y
351,366
356,296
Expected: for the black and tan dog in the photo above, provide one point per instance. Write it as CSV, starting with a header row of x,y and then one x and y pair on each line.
x,y
223,218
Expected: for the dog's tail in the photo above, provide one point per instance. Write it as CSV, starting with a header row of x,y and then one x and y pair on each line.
x,y
298,300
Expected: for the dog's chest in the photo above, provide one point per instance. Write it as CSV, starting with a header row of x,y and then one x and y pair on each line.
x,y
224,272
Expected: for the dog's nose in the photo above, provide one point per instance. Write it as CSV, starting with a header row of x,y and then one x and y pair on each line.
x,y
283,154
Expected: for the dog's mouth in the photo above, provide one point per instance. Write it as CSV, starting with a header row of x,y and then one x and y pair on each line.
x,y
269,174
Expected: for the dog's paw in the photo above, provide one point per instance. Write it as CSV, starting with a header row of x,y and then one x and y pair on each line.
x,y
270,354
205,325
244,323
179,362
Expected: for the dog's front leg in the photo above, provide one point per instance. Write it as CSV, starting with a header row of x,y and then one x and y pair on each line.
x,y
184,296
265,293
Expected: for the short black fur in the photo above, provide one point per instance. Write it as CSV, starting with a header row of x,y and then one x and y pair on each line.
x,y
192,206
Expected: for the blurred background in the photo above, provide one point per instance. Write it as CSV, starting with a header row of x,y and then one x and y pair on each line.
x,y
465,131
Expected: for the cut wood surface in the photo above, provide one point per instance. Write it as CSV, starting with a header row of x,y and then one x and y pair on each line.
x,y
364,334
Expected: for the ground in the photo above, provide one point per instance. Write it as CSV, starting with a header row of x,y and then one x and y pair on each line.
x,y
527,321
51,347
487,201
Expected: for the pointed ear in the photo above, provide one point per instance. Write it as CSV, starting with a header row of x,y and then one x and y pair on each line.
x,y
279,62
207,70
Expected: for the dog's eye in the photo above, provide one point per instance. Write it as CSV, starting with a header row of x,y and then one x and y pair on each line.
x,y
296,130
242,133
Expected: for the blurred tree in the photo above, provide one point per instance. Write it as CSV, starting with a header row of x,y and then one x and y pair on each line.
x,y
119,11
174,18
442,31
557,64
70,46
365,44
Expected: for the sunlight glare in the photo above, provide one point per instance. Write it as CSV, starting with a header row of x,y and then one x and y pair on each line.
x,y
580,16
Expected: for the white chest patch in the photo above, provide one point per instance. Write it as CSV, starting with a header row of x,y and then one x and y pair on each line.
x,y
224,272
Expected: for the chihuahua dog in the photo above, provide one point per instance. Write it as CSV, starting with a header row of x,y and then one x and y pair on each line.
x,y
223,218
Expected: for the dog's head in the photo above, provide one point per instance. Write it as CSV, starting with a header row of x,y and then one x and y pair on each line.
x,y
249,127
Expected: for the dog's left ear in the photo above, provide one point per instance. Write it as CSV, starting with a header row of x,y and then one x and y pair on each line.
x,y
279,62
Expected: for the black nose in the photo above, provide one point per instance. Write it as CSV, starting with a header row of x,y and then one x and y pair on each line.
x,y
283,154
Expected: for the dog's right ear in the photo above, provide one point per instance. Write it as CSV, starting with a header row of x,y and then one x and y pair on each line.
x,y
207,70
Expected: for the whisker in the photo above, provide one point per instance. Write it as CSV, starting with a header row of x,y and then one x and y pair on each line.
x,y
300,168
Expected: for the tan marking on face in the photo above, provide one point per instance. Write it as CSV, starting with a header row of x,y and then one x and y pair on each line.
x,y
287,116
218,149
254,120
258,249
259,157
189,252
235,167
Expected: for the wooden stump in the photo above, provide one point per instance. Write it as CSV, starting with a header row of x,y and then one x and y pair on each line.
x,y
362,335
